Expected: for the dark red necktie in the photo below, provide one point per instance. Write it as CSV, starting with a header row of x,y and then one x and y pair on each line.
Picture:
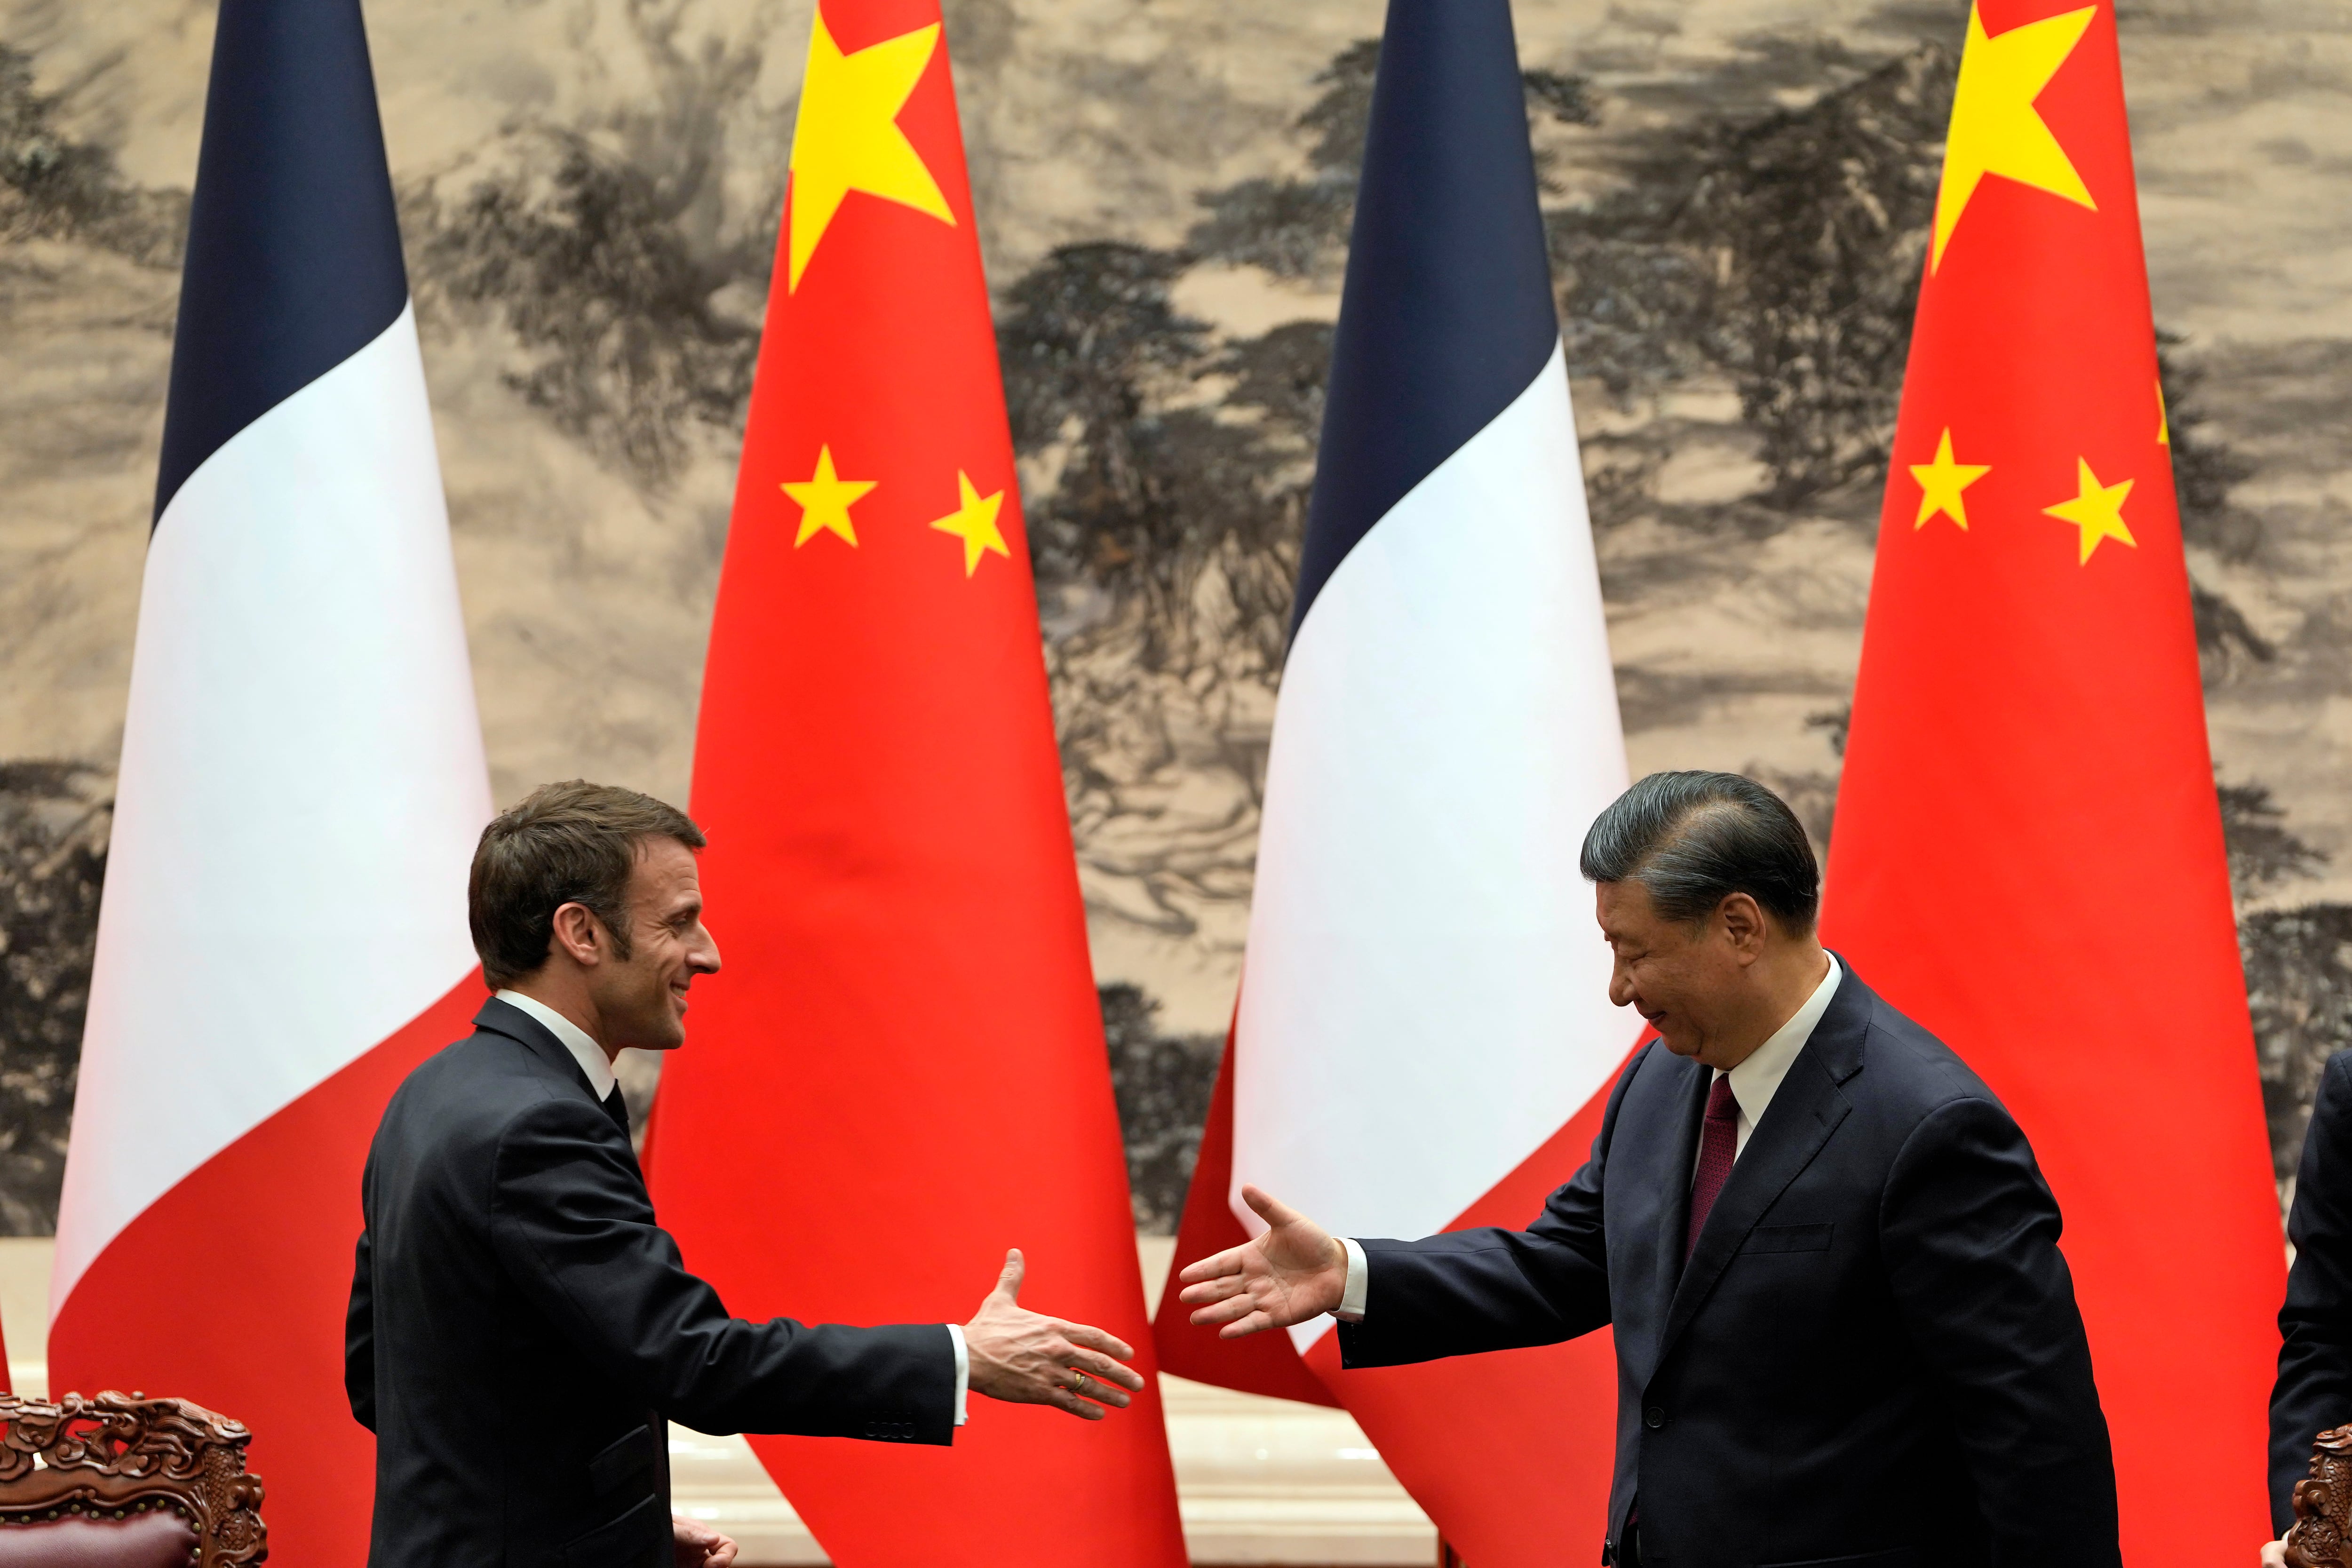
x,y
1718,1142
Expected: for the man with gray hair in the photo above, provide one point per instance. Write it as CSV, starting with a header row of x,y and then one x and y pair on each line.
x,y
1845,1332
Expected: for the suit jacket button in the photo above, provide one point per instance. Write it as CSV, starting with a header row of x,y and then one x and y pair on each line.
x,y
1654,1417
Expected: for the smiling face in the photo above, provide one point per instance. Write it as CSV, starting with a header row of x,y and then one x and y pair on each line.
x,y
641,999
1689,980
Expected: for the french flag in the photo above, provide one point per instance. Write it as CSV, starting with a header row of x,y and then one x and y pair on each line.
x,y
1424,1037
283,930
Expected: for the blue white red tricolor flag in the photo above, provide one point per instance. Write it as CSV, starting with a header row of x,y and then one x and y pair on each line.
x,y
283,933
1423,1034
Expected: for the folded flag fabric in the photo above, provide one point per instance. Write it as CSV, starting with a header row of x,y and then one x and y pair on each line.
x,y
1425,1036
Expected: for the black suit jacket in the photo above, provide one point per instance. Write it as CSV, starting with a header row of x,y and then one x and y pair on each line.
x,y
1873,1357
521,1327
2314,1391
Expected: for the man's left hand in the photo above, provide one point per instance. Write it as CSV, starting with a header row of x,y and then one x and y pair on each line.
x,y
1293,1271
700,1546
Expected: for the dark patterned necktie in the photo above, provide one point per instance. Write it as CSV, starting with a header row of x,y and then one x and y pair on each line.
x,y
1719,1144
618,1109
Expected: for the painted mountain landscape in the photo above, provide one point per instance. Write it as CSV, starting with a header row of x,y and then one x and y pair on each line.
x,y
1737,195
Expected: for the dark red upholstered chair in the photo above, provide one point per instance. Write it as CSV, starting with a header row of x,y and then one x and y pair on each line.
x,y
116,1481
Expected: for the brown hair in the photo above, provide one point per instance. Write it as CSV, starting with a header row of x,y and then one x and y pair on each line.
x,y
571,843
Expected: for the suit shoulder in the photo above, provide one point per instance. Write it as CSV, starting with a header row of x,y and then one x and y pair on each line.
x,y
475,1088
1650,1072
1631,1070
2331,1105
2336,1077
1911,1073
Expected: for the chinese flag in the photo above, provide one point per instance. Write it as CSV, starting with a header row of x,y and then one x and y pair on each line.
x,y
900,1073
2028,855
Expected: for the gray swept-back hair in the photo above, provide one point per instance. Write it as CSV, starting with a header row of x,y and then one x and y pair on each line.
x,y
1694,839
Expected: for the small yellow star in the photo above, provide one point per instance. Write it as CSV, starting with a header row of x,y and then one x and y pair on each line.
x,y
1941,482
2097,509
1995,127
974,522
825,500
2163,417
846,137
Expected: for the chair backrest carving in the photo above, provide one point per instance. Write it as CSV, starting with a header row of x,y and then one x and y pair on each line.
x,y
111,1456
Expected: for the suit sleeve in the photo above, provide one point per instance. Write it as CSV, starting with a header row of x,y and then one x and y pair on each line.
x,y
359,1337
571,1223
2314,1391
1464,1291
1970,1232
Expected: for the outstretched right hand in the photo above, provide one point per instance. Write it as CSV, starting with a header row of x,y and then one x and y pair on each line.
x,y
1294,1270
1026,1358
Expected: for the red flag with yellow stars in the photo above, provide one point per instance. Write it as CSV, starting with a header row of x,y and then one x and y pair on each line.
x,y
900,1072
2028,854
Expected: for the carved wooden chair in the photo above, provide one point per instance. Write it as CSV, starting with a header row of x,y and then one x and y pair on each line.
x,y
2322,1506
117,1480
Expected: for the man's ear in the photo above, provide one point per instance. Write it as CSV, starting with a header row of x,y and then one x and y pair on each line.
x,y
577,935
1743,923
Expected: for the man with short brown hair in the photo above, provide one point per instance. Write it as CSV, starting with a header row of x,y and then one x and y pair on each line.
x,y
522,1329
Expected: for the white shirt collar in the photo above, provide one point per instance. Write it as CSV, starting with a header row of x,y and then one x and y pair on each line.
x,y
1755,1082
587,1052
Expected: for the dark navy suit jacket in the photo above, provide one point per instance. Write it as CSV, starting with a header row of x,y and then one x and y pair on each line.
x,y
521,1327
1873,1357
2314,1391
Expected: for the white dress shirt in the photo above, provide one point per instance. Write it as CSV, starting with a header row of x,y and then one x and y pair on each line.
x,y
1754,1082
599,1068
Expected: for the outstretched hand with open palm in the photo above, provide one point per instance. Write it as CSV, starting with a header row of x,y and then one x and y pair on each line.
x,y
1291,1272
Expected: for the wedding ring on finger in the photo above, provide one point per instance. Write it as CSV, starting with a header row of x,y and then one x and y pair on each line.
x,y
1077,1381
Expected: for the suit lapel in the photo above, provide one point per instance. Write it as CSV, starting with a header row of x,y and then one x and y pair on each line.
x,y
1649,1200
1803,1114
1690,1112
505,1018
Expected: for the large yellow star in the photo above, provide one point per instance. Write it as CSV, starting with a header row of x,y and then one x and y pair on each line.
x,y
1995,129
1941,482
2096,509
825,499
974,522
847,137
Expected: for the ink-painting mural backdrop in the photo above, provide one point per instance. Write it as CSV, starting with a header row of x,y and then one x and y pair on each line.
x,y
1737,193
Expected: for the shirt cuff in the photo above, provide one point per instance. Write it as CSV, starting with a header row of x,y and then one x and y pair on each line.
x,y
1360,1283
963,1370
